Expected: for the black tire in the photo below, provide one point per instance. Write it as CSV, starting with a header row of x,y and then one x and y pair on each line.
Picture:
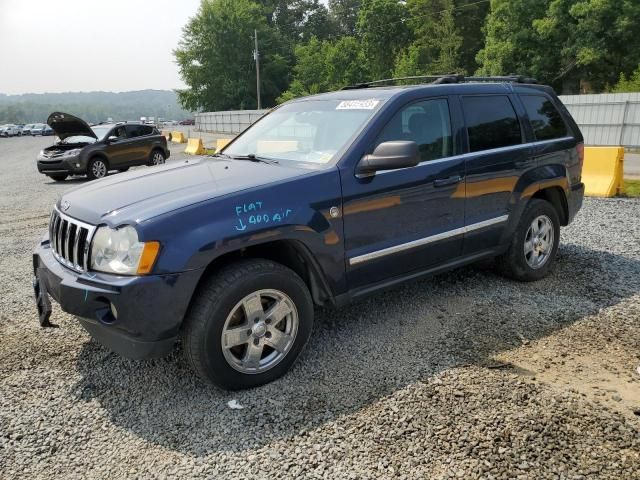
x,y
513,263
122,170
157,157
58,177
92,170
218,297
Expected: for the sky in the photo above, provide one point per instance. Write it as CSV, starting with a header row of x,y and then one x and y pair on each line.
x,y
88,45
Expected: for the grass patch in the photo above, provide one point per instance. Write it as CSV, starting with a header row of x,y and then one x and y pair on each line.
x,y
631,188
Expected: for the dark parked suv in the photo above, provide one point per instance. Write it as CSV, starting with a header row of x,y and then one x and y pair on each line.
x,y
94,151
324,200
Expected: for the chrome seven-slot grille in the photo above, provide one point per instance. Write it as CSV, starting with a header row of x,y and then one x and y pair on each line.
x,y
70,240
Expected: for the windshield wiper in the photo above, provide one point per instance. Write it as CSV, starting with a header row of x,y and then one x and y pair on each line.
x,y
253,158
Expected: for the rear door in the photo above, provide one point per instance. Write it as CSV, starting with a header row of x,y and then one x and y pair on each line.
x,y
497,155
401,221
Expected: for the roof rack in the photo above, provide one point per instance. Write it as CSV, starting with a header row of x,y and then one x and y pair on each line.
x,y
444,79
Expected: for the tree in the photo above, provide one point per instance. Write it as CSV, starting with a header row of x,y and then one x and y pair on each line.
x,y
470,18
436,45
215,57
345,14
562,42
325,65
382,28
627,85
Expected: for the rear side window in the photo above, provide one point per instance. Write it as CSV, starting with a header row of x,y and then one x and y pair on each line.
x,y
133,131
491,122
544,117
427,123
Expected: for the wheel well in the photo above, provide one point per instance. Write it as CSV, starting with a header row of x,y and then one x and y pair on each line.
x,y
289,253
556,197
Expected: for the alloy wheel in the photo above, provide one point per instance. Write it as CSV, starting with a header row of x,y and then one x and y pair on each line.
x,y
260,331
99,169
158,158
538,241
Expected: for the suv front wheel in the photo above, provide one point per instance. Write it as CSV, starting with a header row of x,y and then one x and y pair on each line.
x,y
534,245
248,324
97,168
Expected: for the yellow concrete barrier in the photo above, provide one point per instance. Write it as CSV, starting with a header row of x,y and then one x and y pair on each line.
x,y
166,134
221,143
178,137
194,146
602,171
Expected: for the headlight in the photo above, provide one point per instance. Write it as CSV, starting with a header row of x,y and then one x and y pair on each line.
x,y
72,153
119,251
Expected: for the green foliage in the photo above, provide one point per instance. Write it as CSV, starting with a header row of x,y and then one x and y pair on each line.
x,y
324,65
345,15
436,45
628,85
215,57
562,42
91,106
312,46
384,34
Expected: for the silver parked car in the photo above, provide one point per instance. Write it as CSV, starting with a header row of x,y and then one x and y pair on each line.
x,y
37,129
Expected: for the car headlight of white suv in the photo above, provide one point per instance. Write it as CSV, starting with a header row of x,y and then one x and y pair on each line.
x,y
119,251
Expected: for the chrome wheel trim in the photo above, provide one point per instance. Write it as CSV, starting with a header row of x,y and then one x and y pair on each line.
x,y
99,169
158,158
538,241
260,331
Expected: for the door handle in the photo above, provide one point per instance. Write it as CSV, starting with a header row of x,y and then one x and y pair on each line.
x,y
444,182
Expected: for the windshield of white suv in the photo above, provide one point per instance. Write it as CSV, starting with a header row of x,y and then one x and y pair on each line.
x,y
311,131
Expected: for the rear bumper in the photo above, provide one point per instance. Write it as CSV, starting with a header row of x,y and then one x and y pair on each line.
x,y
137,317
575,198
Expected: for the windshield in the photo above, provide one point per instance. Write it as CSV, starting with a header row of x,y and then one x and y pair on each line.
x,y
100,132
311,131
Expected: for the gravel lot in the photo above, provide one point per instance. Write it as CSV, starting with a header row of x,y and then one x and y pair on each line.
x,y
466,375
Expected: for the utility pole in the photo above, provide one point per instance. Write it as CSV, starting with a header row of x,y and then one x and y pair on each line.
x,y
256,57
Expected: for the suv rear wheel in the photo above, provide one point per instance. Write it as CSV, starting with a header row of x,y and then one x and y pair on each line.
x,y
248,324
534,245
97,168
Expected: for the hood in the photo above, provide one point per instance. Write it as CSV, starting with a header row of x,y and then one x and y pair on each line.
x,y
66,125
139,195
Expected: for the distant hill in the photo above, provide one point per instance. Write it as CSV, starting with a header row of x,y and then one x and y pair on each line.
x,y
91,106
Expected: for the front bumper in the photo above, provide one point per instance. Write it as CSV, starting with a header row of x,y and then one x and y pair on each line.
x,y
148,309
61,165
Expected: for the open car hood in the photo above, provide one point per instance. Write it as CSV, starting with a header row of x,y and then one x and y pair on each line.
x,y
66,125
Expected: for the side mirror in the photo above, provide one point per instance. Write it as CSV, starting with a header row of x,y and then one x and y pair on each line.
x,y
112,139
390,156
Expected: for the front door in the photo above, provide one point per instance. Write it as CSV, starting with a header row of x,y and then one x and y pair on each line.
x,y
401,221
121,149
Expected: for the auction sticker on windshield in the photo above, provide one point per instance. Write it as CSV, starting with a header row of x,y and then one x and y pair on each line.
x,y
369,104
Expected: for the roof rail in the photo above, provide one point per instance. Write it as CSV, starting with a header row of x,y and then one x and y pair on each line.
x,y
443,79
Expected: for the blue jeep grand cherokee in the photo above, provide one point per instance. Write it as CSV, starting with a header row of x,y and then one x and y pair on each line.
x,y
325,199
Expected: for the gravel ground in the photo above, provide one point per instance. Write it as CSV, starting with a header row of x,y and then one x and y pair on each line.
x,y
466,375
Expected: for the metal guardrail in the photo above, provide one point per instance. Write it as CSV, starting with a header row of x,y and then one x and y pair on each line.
x,y
605,119
608,118
231,122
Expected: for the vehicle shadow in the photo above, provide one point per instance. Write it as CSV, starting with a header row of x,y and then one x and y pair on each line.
x,y
357,354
